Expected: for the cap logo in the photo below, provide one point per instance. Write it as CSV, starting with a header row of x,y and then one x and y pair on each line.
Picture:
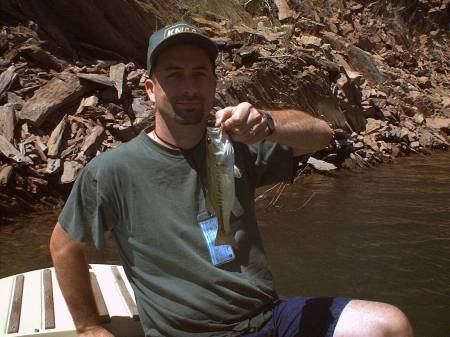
x,y
179,29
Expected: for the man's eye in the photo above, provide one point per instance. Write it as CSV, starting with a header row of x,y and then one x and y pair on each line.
x,y
200,74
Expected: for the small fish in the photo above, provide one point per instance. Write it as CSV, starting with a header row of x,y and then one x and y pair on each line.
x,y
220,178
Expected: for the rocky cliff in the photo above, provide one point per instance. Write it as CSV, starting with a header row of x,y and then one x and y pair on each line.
x,y
71,78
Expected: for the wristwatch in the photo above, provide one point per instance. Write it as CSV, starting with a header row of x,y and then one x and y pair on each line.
x,y
269,121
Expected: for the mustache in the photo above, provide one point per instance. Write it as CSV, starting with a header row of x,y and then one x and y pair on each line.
x,y
190,99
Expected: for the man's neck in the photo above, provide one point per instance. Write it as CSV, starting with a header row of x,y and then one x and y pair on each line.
x,y
183,137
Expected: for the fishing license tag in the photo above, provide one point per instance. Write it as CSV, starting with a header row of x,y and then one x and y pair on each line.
x,y
219,254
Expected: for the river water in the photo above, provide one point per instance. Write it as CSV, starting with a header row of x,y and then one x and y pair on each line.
x,y
379,234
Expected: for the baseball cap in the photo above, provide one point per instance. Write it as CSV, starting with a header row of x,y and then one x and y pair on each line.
x,y
178,33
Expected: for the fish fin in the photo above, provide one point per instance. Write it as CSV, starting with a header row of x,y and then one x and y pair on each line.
x,y
237,172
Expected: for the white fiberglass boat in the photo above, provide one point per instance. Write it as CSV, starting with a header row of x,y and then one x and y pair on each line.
x,y
31,304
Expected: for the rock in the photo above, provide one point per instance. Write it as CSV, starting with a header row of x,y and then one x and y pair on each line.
x,y
43,57
252,6
415,144
93,141
90,101
358,146
429,139
97,78
371,141
134,76
424,82
418,118
341,134
144,113
7,122
360,60
354,76
350,164
354,116
53,165
117,74
321,165
15,100
55,141
7,79
5,174
352,93
125,131
246,56
9,151
61,91
311,41
372,126
284,12
395,150
70,171
438,122
40,149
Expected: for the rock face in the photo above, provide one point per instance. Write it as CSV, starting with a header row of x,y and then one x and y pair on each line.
x,y
72,78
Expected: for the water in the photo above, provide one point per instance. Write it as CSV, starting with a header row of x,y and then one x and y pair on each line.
x,y
381,234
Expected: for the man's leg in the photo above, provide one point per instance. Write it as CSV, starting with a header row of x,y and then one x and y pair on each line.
x,y
372,319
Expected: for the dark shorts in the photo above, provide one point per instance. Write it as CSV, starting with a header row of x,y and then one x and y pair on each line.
x,y
303,317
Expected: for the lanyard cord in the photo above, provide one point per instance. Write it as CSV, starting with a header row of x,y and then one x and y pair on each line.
x,y
163,141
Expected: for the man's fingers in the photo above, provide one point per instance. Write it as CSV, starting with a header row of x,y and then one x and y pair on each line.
x,y
237,121
244,118
223,114
243,123
253,135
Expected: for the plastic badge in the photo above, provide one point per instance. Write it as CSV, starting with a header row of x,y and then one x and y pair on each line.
x,y
219,254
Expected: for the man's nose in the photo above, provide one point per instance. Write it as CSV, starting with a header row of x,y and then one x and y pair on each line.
x,y
189,86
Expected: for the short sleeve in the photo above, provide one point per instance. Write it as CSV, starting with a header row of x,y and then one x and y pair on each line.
x,y
272,163
86,214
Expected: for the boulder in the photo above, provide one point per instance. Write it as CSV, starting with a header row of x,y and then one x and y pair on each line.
x,y
321,165
7,122
62,91
117,74
7,79
70,171
9,151
5,174
55,141
359,59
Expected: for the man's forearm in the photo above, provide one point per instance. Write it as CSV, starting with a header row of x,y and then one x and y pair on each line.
x,y
73,276
301,131
295,128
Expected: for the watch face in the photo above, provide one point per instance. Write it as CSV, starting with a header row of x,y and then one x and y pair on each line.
x,y
270,123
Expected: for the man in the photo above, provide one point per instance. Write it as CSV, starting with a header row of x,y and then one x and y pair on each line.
x,y
151,193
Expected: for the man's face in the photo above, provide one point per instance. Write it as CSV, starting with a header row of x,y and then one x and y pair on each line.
x,y
183,84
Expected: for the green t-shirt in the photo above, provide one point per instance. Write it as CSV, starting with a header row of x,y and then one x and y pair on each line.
x,y
149,197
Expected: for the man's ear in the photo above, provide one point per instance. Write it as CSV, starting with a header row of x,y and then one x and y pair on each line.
x,y
150,89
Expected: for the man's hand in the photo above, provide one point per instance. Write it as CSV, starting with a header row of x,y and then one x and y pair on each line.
x,y
95,331
243,123
295,128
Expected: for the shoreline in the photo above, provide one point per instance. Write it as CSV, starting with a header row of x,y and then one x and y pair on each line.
x,y
303,171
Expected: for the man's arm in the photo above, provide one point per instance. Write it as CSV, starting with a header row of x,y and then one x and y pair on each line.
x,y
295,128
72,272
